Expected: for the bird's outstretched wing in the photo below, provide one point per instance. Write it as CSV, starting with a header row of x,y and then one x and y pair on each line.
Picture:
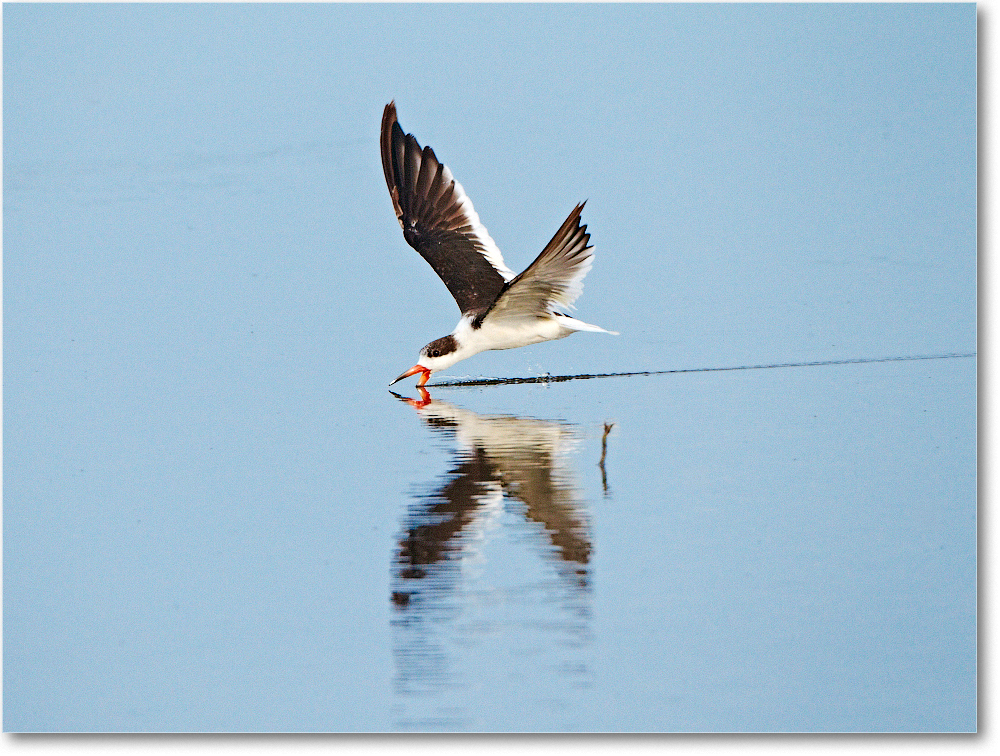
x,y
553,280
438,219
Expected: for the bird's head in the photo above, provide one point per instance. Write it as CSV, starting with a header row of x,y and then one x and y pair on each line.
x,y
439,354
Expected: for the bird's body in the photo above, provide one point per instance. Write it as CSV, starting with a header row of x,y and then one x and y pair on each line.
x,y
500,310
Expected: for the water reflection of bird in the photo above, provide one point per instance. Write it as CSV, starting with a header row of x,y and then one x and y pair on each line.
x,y
500,310
498,457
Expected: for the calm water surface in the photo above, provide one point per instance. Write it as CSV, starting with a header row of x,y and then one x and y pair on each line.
x,y
217,516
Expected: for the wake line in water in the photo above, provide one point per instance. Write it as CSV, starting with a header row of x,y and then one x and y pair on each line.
x,y
467,382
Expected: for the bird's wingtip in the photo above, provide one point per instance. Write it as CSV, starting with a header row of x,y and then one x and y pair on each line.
x,y
389,114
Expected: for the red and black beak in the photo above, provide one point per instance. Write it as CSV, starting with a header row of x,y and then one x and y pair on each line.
x,y
413,371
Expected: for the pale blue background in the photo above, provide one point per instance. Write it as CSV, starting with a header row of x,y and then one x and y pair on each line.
x,y
205,294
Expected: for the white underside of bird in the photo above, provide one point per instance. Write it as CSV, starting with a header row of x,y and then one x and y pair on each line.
x,y
499,333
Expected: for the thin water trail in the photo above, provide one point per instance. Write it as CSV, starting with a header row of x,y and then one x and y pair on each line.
x,y
471,382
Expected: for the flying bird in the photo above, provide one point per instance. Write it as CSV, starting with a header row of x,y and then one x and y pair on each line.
x,y
500,310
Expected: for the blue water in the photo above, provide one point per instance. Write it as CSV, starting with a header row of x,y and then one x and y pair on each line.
x,y
218,518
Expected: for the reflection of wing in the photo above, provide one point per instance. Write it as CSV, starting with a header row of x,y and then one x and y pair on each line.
x,y
524,458
532,478
444,515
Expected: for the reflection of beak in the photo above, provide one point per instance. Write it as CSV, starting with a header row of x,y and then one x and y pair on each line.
x,y
423,401
413,371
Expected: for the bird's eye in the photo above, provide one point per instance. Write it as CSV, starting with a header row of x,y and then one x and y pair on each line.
x,y
434,353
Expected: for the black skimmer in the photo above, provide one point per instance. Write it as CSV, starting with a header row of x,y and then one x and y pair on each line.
x,y
500,310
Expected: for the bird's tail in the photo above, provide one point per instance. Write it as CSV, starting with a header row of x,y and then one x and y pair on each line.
x,y
578,325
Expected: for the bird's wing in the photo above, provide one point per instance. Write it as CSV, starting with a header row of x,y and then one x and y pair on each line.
x,y
438,219
553,280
